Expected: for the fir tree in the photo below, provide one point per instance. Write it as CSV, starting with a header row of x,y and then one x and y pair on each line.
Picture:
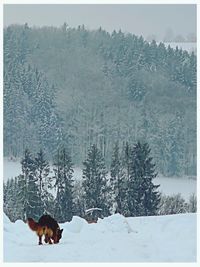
x,y
63,169
126,153
22,196
30,191
34,202
95,181
43,181
117,180
10,199
143,197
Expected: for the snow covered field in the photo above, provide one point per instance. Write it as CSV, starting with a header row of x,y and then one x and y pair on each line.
x,y
168,185
172,185
169,238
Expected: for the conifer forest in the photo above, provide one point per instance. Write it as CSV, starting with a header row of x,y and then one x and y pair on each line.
x,y
113,104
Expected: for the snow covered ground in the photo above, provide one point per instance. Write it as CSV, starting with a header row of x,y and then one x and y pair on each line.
x,y
175,185
168,185
169,238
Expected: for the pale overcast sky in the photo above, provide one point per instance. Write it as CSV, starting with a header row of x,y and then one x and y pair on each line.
x,y
138,19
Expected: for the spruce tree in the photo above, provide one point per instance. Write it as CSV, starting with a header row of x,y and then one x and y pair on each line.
x,y
30,190
22,196
126,163
68,171
95,181
9,196
63,175
58,186
143,197
34,207
117,180
17,205
43,181
126,153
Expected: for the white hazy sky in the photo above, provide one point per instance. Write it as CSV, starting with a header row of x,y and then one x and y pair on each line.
x,y
138,19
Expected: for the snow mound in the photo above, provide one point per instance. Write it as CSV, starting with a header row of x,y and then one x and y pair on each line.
x,y
169,238
116,223
76,225
5,219
6,223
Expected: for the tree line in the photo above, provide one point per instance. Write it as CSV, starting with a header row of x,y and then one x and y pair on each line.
x,y
128,189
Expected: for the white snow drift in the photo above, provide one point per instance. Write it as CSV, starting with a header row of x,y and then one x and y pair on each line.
x,y
169,238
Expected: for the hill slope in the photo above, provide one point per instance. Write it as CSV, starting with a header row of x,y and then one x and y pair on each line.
x,y
113,239
78,87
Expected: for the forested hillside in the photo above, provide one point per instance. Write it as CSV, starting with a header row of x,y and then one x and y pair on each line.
x,y
74,87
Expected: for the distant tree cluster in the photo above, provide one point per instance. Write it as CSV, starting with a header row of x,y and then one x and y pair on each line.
x,y
37,191
177,204
79,87
29,111
127,189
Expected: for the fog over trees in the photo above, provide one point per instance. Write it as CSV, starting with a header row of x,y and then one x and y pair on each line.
x,y
76,88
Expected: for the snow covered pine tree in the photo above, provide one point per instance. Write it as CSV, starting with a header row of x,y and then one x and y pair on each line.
x,y
143,197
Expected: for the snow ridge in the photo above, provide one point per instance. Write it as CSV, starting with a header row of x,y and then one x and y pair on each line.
x,y
169,238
